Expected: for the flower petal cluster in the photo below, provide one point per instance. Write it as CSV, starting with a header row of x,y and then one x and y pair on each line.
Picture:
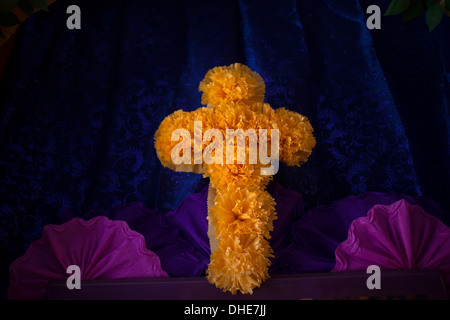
x,y
243,211
240,263
232,84
296,137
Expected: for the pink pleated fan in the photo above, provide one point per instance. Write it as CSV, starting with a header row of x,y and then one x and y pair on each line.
x,y
102,248
397,236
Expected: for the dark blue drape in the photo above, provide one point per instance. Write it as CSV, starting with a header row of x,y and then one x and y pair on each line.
x,y
79,108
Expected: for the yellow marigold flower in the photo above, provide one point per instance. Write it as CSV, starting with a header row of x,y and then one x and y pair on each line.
x,y
228,176
205,115
234,83
240,263
266,111
266,118
296,137
180,120
163,144
233,116
243,211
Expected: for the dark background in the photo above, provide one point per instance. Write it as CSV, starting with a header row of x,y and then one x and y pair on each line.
x,y
79,108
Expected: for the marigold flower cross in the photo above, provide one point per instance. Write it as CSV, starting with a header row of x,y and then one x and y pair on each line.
x,y
240,210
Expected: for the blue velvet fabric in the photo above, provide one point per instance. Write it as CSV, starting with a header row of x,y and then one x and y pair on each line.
x,y
79,108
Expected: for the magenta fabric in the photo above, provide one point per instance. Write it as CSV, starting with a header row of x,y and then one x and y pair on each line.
x,y
102,248
396,236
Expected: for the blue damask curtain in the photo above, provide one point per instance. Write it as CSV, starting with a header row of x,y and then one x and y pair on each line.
x,y
79,108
